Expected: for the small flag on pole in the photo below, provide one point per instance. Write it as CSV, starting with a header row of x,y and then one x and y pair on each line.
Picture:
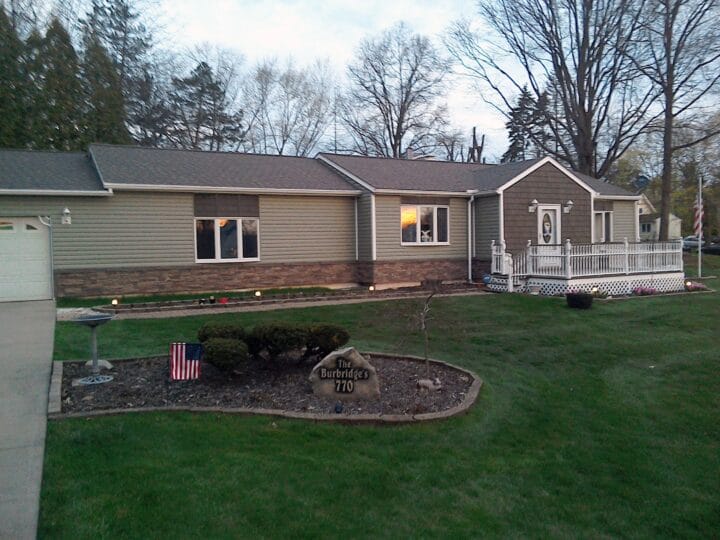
x,y
185,361
699,214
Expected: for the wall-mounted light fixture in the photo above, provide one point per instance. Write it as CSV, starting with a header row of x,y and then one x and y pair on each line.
x,y
532,207
66,216
568,206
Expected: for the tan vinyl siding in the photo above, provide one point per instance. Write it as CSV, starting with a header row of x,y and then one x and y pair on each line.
x,y
364,208
307,229
387,216
126,229
624,225
487,225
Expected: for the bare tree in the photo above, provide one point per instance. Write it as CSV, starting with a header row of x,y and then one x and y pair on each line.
x,y
288,108
392,103
450,145
576,50
680,54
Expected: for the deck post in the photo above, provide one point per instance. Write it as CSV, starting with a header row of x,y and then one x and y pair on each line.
x,y
568,259
627,255
493,265
529,258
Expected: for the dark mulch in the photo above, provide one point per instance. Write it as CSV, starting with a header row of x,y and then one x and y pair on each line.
x,y
145,383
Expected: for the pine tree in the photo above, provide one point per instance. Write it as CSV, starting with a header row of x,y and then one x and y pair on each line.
x,y
13,90
202,120
58,123
519,127
105,108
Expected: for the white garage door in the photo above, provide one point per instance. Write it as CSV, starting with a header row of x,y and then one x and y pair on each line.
x,y
25,267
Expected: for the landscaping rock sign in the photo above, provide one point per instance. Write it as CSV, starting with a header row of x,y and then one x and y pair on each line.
x,y
345,375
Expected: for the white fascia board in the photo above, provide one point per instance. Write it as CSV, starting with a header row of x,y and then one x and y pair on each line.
x,y
618,197
56,192
347,173
464,194
253,191
545,161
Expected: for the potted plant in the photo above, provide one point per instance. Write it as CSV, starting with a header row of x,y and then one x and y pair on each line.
x,y
579,299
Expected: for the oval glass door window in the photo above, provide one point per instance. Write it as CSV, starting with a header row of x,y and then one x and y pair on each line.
x,y
547,228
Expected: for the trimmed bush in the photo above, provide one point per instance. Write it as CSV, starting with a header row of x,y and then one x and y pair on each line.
x,y
225,353
322,339
277,339
221,330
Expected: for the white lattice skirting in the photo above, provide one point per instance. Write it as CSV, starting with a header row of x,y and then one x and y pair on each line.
x,y
614,285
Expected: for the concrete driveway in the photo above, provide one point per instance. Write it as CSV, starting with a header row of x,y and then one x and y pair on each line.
x,y
26,346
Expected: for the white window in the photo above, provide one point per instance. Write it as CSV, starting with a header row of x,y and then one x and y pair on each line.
x,y
226,239
603,227
424,225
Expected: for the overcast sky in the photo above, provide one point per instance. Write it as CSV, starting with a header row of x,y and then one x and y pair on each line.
x,y
330,29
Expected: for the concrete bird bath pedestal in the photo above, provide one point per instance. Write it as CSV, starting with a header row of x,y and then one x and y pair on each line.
x,y
93,321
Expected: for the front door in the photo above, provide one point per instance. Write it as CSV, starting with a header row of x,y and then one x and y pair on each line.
x,y
549,225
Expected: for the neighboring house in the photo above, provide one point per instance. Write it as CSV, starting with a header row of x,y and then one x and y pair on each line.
x,y
650,222
142,220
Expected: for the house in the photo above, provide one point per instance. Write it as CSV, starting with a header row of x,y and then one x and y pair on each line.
x,y
650,222
123,220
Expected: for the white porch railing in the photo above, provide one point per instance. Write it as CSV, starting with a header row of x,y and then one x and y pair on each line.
x,y
582,260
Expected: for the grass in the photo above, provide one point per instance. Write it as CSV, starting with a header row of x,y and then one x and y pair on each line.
x,y
71,302
602,423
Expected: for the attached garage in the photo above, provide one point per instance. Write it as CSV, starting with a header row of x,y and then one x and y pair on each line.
x,y
25,259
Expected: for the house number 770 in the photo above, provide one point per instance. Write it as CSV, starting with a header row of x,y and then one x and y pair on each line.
x,y
344,386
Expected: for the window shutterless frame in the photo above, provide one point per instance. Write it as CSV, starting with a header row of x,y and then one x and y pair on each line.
x,y
418,234
217,242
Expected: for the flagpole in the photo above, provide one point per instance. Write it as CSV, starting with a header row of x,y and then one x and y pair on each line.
x,y
700,217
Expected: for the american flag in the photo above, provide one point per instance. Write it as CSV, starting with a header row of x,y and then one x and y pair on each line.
x,y
185,361
699,211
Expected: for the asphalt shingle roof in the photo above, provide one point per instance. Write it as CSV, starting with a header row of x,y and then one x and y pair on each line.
x,y
61,171
160,167
426,175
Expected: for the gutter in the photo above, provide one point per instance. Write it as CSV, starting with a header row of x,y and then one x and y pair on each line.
x,y
57,192
470,235
254,191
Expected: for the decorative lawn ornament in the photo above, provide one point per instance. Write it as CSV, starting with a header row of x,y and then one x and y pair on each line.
x,y
692,286
185,361
487,279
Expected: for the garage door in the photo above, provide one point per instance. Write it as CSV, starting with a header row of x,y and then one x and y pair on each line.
x,y
25,265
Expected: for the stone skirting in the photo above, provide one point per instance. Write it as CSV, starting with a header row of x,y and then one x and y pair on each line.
x,y
233,276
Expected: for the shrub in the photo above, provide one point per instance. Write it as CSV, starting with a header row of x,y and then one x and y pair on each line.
x,y
322,339
277,339
221,330
225,353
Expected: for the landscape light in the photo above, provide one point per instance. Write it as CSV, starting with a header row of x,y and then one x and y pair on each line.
x,y
258,294
371,288
115,301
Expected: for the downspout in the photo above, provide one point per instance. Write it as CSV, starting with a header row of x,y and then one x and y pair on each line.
x,y
470,236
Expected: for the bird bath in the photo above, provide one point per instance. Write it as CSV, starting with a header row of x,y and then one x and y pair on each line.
x,y
92,322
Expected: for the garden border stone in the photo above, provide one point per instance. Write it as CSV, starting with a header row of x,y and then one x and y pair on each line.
x,y
379,419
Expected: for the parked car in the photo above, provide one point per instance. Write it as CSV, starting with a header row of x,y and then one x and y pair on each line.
x,y
691,242
712,249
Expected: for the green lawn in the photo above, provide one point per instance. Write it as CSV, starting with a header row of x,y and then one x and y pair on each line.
x,y
602,423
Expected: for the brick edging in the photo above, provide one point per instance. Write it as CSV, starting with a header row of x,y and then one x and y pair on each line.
x,y
381,419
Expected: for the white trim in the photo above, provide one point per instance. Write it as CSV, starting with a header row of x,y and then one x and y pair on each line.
x,y
558,222
637,221
216,238
346,173
408,192
373,227
501,215
255,191
418,242
357,248
539,164
470,242
592,220
602,239
618,197
58,192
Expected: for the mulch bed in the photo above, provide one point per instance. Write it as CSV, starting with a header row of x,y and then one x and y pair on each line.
x,y
145,382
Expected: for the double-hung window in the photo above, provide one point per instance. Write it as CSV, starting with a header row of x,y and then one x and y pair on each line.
x,y
226,239
603,227
424,224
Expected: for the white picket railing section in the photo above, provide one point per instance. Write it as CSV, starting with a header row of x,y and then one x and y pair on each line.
x,y
582,260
